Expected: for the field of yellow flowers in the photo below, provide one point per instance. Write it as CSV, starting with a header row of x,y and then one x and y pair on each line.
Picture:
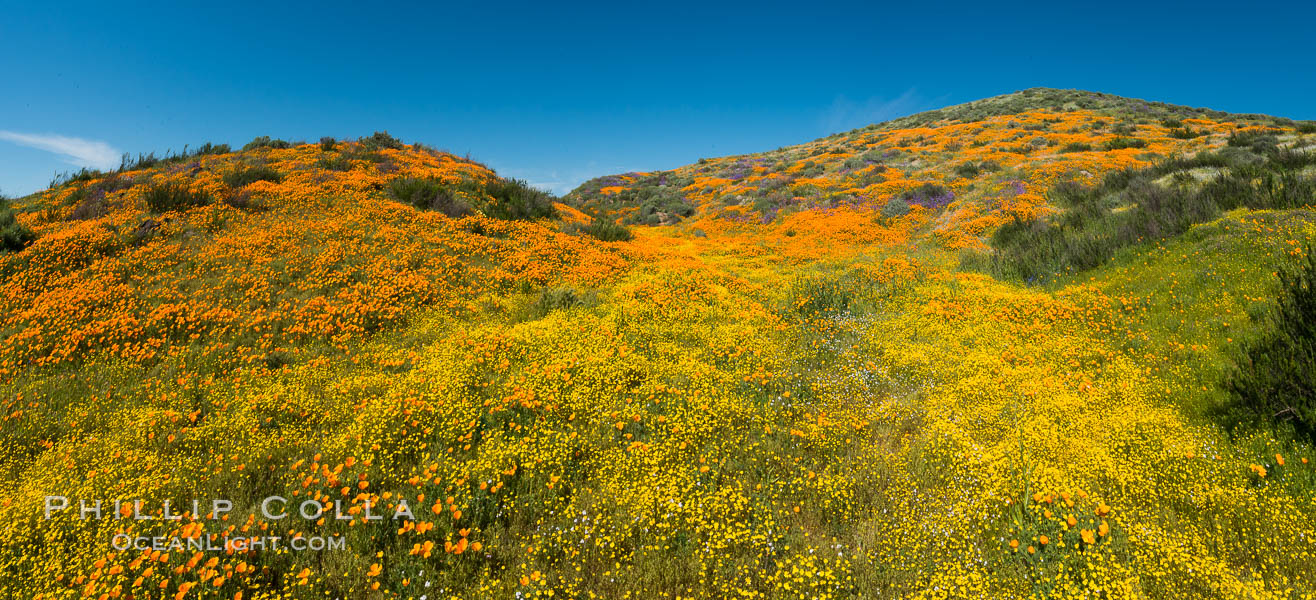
x,y
772,390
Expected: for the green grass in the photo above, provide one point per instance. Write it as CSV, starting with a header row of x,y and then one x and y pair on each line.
x,y
1199,298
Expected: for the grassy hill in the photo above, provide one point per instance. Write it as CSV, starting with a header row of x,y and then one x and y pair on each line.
x,y
995,350
956,172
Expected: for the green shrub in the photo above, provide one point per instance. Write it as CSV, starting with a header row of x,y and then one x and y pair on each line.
x,y
161,198
264,141
1260,142
604,230
1184,133
1307,127
334,163
968,170
508,199
1077,147
209,149
381,140
13,235
241,176
1121,143
896,207
1123,129
514,199
862,160
1274,378
429,194
655,203
1091,229
328,144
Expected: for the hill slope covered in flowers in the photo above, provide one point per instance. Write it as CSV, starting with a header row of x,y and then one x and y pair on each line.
x,y
979,352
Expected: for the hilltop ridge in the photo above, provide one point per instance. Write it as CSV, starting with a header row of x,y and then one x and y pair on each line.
x,y
950,175
1061,100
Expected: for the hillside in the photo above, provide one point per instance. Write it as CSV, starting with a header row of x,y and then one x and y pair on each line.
x,y
1007,349
954,173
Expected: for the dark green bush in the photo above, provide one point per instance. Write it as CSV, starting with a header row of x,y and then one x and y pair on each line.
x,y
1307,127
654,204
328,144
508,199
1274,377
860,161
1123,129
429,194
161,198
968,170
1077,147
334,163
1090,229
13,235
264,141
514,199
1184,133
604,230
242,176
209,149
896,207
381,140
1260,142
1121,143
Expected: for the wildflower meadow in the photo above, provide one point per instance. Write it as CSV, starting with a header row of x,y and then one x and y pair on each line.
x,y
1017,348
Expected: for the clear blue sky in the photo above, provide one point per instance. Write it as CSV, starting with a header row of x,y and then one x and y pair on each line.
x,y
556,93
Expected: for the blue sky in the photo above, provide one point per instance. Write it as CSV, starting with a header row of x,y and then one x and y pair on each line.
x,y
556,93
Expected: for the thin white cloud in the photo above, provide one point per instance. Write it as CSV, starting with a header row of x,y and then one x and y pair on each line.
x,y
75,151
845,114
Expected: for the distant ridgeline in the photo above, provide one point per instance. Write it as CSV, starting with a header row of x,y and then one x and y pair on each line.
x,y
964,169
